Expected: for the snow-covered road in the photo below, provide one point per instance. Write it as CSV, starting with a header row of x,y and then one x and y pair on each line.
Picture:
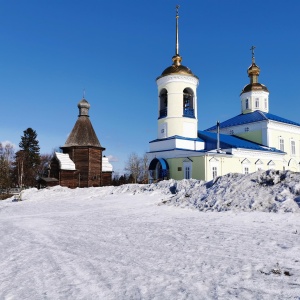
x,y
95,244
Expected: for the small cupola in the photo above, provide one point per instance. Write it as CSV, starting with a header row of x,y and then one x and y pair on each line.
x,y
84,107
254,96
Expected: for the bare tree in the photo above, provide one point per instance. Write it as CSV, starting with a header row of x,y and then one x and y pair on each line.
x,y
133,166
6,160
137,167
44,165
144,168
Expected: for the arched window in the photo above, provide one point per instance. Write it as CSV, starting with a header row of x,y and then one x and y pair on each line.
x,y
163,103
247,103
256,102
188,103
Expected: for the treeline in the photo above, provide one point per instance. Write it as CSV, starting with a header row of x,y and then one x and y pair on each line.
x,y
22,168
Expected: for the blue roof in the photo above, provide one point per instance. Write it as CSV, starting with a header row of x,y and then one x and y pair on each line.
x,y
255,116
230,141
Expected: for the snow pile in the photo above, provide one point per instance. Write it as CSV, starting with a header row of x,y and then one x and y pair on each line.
x,y
265,191
268,191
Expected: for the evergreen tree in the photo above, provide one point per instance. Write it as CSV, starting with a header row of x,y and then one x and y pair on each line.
x,y
28,158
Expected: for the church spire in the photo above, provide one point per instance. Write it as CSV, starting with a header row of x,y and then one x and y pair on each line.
x,y
177,58
177,41
177,67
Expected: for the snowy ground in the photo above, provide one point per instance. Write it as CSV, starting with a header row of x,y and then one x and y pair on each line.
x,y
159,241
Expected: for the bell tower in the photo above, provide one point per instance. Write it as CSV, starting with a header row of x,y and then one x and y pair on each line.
x,y
177,98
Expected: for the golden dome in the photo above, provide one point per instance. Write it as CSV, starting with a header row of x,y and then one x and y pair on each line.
x,y
254,87
177,68
253,70
253,73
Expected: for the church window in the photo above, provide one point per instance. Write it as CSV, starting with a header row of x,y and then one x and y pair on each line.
x,y
246,170
231,132
214,172
187,169
246,129
163,103
281,144
188,103
293,148
256,102
247,103
187,173
266,103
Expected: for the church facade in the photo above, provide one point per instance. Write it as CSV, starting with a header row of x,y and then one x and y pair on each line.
x,y
251,141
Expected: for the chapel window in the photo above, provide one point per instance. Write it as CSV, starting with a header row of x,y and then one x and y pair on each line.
x,y
256,102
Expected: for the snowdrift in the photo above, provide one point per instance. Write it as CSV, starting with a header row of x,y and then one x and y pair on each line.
x,y
265,191
268,191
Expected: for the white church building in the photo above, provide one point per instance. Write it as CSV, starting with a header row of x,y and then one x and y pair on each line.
x,y
253,140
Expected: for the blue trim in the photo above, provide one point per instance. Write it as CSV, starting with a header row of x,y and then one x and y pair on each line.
x,y
162,161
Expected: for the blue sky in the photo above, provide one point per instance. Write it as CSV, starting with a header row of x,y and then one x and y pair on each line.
x,y
52,50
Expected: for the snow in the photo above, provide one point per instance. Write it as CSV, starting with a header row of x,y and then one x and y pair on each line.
x,y
65,162
106,165
235,238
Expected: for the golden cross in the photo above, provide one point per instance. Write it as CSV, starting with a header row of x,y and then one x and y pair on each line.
x,y
252,49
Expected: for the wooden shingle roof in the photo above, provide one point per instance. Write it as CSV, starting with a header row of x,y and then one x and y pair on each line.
x,y
83,133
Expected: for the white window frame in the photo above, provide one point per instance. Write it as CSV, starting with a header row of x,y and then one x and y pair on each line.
x,y
214,172
246,166
214,167
281,144
293,147
247,103
271,165
266,103
259,165
256,102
